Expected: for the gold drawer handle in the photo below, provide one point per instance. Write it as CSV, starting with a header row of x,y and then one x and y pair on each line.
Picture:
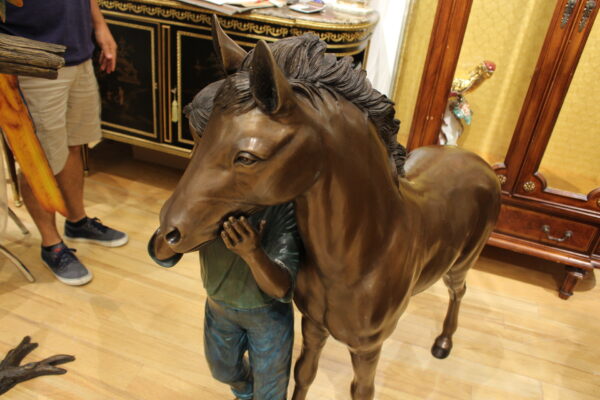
x,y
546,229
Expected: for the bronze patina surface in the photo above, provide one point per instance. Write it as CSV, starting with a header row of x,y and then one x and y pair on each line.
x,y
13,373
295,124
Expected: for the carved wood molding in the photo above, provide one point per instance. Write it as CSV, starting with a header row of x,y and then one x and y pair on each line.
x,y
269,27
447,35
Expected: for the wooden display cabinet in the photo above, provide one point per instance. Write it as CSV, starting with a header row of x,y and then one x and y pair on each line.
x,y
166,56
547,211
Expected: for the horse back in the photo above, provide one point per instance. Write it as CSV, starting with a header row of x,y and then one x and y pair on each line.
x,y
452,174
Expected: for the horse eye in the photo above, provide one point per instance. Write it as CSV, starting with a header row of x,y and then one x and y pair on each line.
x,y
245,158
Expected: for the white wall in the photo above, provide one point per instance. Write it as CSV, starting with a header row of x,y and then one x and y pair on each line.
x,y
386,42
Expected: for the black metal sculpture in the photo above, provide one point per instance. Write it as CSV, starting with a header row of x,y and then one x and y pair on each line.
x,y
12,372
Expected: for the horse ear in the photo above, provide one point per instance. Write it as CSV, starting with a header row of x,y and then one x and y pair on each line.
x,y
228,52
270,88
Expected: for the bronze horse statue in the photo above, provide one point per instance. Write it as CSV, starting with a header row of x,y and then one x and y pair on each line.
x,y
291,123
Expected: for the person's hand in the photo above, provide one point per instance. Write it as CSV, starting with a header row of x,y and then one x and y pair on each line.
x,y
240,237
108,48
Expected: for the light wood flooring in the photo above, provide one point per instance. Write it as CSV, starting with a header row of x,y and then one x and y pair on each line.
x,y
136,329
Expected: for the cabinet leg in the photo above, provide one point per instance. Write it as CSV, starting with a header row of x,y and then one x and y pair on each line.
x,y
572,276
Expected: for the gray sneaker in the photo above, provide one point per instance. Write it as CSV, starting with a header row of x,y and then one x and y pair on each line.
x,y
67,268
92,230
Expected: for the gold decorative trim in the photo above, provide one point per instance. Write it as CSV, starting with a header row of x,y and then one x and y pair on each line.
x,y
154,11
334,34
132,130
166,82
366,23
529,186
165,148
335,37
502,179
598,203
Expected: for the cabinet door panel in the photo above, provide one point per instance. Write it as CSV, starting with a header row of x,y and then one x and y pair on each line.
x,y
511,35
129,95
532,182
196,67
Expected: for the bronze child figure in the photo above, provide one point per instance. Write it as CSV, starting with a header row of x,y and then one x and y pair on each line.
x,y
294,124
249,274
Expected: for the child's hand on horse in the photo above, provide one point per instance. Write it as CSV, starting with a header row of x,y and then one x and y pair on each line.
x,y
240,237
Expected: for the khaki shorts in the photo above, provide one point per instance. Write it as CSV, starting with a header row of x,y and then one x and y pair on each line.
x,y
65,111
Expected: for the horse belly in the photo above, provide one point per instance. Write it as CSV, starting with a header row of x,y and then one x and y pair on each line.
x,y
364,315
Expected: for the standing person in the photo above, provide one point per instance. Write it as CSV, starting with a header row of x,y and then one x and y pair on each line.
x,y
66,115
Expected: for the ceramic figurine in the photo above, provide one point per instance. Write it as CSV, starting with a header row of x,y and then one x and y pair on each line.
x,y
459,109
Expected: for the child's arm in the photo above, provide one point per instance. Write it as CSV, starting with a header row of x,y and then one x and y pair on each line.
x,y
241,238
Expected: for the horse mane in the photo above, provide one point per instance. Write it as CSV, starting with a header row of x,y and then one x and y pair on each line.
x,y
308,69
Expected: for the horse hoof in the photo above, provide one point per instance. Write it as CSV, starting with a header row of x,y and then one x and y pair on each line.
x,y
440,352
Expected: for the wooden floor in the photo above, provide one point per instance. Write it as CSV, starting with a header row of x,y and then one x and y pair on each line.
x,y
136,329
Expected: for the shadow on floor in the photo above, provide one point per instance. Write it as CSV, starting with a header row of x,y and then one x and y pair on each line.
x,y
529,269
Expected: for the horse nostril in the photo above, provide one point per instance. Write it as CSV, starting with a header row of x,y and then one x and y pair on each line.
x,y
173,237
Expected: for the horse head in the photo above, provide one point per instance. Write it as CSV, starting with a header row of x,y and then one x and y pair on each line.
x,y
258,148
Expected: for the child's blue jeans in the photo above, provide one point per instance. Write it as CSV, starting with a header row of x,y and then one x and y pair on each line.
x,y
267,333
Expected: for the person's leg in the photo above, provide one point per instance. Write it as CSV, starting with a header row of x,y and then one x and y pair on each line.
x,y
225,343
56,255
47,103
70,182
270,342
44,220
83,127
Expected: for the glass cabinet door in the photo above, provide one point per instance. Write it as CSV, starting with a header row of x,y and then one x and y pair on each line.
x,y
130,98
571,161
510,34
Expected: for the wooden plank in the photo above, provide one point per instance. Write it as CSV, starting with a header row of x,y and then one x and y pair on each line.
x,y
27,70
22,56
21,42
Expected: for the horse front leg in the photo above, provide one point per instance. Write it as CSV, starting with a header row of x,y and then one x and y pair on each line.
x,y
364,363
314,337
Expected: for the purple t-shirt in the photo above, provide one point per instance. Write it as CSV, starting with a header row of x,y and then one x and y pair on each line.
x,y
66,22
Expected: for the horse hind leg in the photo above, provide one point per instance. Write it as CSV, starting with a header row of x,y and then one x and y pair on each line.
x,y
455,282
313,339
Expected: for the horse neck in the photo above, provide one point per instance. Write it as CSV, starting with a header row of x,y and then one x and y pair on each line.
x,y
354,208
